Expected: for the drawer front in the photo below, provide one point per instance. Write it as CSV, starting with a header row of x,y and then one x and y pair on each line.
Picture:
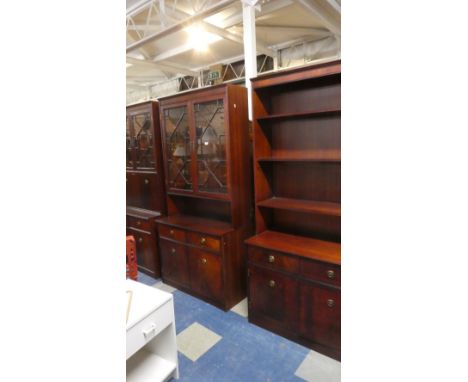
x,y
320,315
204,241
147,329
273,260
174,264
205,273
134,222
273,295
171,233
327,273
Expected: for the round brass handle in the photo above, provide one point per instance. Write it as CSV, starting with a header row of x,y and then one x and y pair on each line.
x,y
330,303
140,240
271,259
272,283
171,232
173,250
331,274
203,261
146,181
138,222
202,240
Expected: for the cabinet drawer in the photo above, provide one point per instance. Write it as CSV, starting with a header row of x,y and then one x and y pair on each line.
x,y
171,233
138,223
147,329
174,264
327,273
205,273
204,241
273,260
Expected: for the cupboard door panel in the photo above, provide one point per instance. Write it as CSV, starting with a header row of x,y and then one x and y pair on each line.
x,y
320,315
273,295
210,146
174,262
205,273
150,196
133,187
147,255
178,151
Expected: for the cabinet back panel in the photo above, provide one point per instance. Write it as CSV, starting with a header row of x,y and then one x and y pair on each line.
x,y
313,94
210,209
310,181
320,137
298,223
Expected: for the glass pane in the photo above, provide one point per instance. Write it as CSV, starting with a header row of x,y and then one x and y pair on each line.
x,y
211,146
177,135
144,141
130,136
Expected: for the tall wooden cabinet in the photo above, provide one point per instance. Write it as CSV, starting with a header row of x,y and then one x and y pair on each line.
x,y
294,258
209,193
145,183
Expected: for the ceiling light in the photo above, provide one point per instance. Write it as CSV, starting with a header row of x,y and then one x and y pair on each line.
x,y
128,64
199,39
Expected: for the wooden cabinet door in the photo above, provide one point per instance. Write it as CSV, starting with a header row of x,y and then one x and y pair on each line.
x,y
147,255
130,161
150,196
205,273
143,129
273,296
320,315
133,189
174,265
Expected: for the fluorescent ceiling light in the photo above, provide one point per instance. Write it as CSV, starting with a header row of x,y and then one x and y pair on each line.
x,y
199,39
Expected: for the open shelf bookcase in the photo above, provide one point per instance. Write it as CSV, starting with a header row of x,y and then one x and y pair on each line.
x,y
297,172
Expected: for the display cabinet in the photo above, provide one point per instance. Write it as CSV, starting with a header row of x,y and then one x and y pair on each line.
x,y
145,182
209,193
294,258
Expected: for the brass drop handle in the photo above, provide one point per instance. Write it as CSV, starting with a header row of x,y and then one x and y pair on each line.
x,y
330,303
172,250
272,283
271,259
171,232
331,274
203,261
140,240
203,240
146,181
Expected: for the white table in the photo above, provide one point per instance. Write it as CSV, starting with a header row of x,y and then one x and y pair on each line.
x,y
151,335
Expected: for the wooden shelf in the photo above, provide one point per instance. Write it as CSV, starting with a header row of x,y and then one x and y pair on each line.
x,y
310,206
306,114
142,213
298,159
298,245
190,194
209,226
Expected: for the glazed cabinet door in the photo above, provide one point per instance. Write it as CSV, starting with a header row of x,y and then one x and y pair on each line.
x,y
205,273
147,256
130,161
177,143
210,146
174,265
142,124
320,315
273,296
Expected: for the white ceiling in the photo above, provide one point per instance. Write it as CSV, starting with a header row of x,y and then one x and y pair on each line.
x,y
279,25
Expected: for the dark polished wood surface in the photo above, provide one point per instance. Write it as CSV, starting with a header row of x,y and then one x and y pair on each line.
x,y
294,258
205,136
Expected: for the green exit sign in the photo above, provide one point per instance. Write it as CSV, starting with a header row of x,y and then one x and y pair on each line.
x,y
213,75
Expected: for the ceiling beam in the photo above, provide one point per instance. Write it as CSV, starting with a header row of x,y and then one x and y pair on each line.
x,y
330,22
181,25
168,67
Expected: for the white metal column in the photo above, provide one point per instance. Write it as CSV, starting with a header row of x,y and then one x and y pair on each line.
x,y
250,46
